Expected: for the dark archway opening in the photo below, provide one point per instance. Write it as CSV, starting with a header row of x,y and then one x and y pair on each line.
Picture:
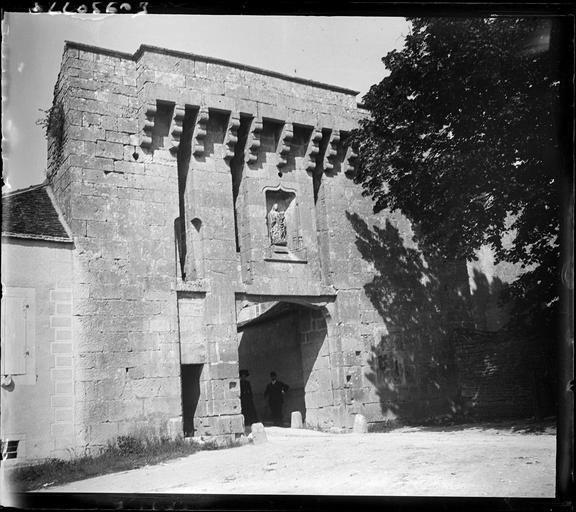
x,y
291,340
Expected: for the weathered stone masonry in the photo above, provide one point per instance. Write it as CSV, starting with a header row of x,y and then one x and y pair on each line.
x,y
167,169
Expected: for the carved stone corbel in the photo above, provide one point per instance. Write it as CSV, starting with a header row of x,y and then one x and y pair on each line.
x,y
284,146
350,159
331,150
200,131
176,131
313,150
231,136
148,125
253,141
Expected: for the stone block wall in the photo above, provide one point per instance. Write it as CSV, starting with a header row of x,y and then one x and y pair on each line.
x,y
62,350
320,370
167,168
120,210
503,376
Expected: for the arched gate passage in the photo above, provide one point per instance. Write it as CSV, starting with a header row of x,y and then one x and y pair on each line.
x,y
292,337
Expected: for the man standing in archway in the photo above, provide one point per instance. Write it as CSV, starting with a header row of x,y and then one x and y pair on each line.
x,y
246,399
275,391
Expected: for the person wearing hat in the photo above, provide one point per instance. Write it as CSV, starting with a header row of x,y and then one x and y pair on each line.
x,y
275,391
246,399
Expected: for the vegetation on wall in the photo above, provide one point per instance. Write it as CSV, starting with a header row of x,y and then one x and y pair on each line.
x,y
53,124
52,121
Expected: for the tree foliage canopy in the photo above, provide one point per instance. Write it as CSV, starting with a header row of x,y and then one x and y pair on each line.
x,y
463,139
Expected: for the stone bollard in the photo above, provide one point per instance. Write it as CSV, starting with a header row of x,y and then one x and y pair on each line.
x,y
174,428
258,433
360,424
296,419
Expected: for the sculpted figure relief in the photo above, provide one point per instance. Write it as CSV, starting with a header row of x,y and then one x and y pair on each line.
x,y
277,226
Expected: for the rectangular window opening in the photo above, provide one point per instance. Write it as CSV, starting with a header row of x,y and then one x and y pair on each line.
x,y
9,449
190,375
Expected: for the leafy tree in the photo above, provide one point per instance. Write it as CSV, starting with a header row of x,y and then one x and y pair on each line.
x,y
463,139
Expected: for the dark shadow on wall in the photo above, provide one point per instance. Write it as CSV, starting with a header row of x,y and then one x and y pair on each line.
x,y
432,355
489,312
421,304
216,131
503,372
183,163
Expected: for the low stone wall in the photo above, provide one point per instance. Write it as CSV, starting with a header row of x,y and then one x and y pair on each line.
x,y
502,376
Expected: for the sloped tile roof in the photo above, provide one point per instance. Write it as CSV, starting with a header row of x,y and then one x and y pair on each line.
x,y
30,213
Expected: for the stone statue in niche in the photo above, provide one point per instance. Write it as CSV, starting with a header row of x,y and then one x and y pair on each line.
x,y
277,226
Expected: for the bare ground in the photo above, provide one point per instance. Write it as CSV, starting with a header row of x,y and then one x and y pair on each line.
x,y
500,461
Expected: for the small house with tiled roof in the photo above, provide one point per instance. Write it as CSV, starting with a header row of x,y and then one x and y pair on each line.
x,y
36,359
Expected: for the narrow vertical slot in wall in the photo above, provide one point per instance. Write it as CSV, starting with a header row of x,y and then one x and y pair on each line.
x,y
320,208
319,170
197,249
183,163
237,170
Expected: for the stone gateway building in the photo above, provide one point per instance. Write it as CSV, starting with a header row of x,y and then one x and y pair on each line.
x,y
208,222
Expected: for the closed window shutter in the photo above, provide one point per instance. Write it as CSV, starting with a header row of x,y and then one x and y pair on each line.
x,y
15,311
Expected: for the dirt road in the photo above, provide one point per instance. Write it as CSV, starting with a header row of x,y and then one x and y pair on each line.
x,y
405,462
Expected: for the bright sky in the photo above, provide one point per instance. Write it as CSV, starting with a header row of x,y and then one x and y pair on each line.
x,y
343,51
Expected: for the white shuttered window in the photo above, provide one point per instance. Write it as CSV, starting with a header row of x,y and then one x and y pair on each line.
x,y
18,313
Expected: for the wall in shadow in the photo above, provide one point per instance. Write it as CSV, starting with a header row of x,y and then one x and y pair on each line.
x,y
488,310
422,304
444,355
183,161
502,372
